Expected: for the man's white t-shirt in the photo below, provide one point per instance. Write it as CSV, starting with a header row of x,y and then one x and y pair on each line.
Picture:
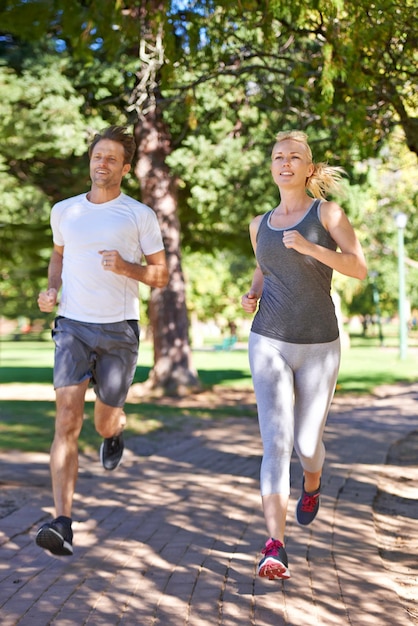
x,y
90,293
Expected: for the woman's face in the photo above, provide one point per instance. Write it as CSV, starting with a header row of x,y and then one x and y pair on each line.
x,y
290,164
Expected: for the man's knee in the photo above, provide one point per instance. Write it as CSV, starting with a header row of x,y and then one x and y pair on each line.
x,y
68,422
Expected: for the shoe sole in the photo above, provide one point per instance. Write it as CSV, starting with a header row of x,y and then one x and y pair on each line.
x,y
273,569
49,539
109,469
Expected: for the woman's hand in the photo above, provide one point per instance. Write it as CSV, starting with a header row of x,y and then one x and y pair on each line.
x,y
249,302
294,240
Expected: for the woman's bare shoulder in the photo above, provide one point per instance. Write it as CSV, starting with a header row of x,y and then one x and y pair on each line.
x,y
255,222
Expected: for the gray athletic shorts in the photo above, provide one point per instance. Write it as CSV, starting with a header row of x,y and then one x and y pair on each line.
x,y
105,353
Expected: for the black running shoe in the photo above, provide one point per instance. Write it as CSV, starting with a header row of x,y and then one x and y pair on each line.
x,y
56,536
307,506
111,452
274,563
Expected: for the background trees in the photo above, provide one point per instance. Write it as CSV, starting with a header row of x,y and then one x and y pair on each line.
x,y
205,86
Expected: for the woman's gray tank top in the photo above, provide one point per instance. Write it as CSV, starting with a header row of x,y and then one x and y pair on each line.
x,y
296,304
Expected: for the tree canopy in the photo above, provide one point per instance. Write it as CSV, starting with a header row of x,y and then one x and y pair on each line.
x,y
210,84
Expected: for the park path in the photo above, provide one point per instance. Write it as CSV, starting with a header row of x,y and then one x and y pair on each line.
x,y
173,537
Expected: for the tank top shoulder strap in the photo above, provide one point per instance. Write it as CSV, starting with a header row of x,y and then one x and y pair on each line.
x,y
315,206
263,221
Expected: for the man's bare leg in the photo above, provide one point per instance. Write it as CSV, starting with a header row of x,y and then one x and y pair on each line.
x,y
64,449
110,422
57,535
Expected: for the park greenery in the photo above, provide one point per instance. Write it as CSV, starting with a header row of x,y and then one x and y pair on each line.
x,y
27,413
205,86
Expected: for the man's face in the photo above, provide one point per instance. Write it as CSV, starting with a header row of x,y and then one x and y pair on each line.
x,y
107,166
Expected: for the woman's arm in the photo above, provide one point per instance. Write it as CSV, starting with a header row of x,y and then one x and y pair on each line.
x,y
349,260
250,299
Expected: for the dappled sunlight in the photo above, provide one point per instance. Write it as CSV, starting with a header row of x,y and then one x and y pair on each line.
x,y
177,530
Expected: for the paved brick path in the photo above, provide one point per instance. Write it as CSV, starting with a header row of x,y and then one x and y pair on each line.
x,y
173,537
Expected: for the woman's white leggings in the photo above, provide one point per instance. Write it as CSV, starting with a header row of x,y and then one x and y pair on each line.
x,y
294,385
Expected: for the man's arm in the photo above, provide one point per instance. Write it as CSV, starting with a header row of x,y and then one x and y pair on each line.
x,y
154,273
48,299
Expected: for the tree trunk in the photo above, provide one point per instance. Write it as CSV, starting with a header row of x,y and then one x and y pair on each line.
x,y
408,122
173,372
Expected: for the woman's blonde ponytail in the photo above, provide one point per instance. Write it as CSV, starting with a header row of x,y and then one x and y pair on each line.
x,y
325,179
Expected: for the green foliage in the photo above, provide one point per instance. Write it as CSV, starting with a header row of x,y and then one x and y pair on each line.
x,y
390,188
48,119
28,424
215,284
234,74
221,189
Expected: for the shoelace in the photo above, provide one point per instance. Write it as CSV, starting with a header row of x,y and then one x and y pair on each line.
x,y
273,547
309,503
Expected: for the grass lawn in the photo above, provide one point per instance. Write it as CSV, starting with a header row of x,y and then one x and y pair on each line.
x,y
28,425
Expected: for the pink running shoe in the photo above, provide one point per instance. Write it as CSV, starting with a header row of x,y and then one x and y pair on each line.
x,y
274,563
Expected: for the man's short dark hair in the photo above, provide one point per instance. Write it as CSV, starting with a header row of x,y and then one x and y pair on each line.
x,y
119,134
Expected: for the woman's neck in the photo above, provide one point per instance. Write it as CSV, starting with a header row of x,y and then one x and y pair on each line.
x,y
293,203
